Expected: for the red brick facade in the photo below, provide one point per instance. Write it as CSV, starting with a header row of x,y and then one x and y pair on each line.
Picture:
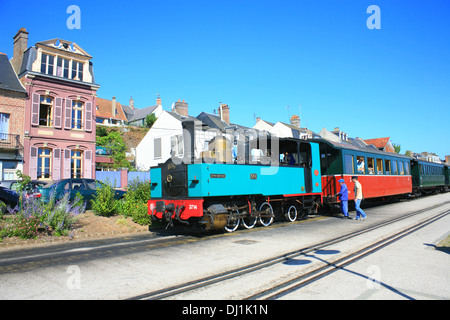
x,y
14,104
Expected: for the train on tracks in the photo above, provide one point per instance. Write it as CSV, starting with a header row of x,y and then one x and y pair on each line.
x,y
258,179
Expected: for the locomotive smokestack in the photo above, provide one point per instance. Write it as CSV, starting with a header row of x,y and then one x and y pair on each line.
x,y
189,139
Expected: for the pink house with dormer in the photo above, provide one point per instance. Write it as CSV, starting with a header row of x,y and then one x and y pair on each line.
x,y
59,128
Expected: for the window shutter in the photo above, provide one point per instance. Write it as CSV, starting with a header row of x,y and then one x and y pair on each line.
x,y
32,169
68,114
35,109
56,164
67,168
87,164
88,117
58,113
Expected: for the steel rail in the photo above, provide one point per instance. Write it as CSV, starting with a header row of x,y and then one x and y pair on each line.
x,y
230,274
331,267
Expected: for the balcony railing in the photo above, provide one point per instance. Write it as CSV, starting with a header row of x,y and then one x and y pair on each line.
x,y
10,141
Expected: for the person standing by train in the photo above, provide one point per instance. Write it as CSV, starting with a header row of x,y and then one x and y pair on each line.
x,y
343,198
358,199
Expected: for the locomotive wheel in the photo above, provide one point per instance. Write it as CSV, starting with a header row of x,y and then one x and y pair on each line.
x,y
232,223
266,221
291,214
249,222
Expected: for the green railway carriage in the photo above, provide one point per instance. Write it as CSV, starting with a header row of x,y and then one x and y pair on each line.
x,y
447,175
428,176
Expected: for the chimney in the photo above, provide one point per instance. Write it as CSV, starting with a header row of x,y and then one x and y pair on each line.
x,y
295,121
181,108
258,119
158,100
20,45
113,107
131,103
224,113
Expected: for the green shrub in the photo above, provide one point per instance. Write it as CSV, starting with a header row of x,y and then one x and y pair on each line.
x,y
60,216
104,203
134,204
34,217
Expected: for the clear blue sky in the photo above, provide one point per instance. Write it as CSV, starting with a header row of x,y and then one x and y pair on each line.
x,y
261,56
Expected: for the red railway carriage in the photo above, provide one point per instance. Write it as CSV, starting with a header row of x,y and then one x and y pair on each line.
x,y
381,174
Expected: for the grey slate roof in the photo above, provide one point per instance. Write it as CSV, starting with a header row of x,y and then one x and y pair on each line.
x,y
214,121
8,78
137,114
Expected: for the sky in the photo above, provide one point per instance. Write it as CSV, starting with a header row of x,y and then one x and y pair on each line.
x,y
270,59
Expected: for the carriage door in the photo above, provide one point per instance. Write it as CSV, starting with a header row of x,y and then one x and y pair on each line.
x,y
305,162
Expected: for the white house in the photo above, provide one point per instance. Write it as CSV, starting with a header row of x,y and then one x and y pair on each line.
x,y
284,130
166,137
263,125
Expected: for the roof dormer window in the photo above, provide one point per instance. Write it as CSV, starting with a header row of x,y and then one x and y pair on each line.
x,y
77,70
62,67
65,68
47,63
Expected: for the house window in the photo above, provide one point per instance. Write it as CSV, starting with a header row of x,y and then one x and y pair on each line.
x,y
76,163
4,126
157,148
47,63
45,111
77,70
176,145
44,163
62,67
77,115
9,170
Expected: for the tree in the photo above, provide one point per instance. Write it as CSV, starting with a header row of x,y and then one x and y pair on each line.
x,y
115,143
150,120
397,147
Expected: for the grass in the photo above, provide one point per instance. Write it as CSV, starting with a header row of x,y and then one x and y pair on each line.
x,y
444,245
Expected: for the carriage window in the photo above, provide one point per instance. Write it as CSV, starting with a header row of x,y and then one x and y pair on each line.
x,y
371,165
360,166
379,166
348,164
394,167
400,168
406,167
387,164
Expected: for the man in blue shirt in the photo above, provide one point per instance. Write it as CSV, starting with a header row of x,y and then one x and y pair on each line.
x,y
343,197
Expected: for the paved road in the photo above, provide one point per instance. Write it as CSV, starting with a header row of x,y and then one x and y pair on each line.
x,y
408,269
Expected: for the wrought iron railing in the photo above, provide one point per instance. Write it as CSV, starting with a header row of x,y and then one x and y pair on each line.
x,y
10,141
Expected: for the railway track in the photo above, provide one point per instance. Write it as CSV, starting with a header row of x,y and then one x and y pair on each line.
x,y
295,283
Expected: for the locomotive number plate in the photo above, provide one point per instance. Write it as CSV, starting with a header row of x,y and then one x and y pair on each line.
x,y
253,176
217,175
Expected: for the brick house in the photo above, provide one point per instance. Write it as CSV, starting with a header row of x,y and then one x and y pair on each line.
x,y
12,113
383,144
59,125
